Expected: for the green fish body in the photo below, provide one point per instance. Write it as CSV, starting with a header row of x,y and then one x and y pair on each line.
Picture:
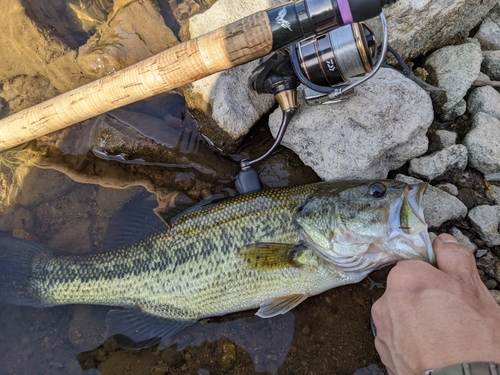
x,y
268,250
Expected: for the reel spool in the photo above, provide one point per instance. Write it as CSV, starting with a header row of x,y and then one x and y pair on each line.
x,y
325,63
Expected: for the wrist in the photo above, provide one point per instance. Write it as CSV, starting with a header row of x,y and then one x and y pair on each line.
x,y
467,368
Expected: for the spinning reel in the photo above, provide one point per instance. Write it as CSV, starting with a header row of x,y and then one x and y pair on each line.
x,y
328,65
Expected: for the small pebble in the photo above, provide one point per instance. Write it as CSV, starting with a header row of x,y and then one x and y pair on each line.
x,y
449,188
306,330
481,252
491,283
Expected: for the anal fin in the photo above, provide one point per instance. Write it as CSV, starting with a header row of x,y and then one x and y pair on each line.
x,y
280,305
144,330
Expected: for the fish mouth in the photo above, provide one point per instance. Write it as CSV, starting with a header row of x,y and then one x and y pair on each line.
x,y
412,222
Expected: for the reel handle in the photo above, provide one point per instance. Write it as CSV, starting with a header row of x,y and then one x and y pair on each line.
x,y
240,42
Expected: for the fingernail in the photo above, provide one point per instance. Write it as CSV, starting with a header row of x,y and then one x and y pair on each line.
x,y
444,237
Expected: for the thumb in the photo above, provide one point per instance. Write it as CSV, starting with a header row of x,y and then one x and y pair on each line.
x,y
453,258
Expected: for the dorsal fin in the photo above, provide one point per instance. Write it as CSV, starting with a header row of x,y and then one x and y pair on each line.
x,y
183,205
134,221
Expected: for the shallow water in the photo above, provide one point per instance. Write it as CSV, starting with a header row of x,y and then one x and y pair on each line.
x,y
64,190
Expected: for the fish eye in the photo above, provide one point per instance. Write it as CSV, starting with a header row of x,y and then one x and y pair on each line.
x,y
377,190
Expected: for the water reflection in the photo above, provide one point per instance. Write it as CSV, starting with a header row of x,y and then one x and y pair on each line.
x,y
267,341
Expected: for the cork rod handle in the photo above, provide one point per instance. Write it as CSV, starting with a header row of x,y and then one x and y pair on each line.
x,y
229,46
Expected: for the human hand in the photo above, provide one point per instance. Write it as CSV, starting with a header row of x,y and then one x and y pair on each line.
x,y
430,318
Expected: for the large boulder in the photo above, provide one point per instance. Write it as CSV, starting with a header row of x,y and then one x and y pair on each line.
x,y
365,137
416,27
222,103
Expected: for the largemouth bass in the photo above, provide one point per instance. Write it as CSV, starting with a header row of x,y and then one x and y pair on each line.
x,y
268,250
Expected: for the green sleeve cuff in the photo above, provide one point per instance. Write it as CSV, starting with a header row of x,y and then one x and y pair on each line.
x,y
466,368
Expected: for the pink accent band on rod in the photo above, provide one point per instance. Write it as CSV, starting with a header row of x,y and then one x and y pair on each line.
x,y
345,11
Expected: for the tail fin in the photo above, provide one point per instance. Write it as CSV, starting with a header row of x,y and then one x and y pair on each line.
x,y
17,260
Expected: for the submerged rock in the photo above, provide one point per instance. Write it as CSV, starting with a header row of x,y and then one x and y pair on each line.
x,y
366,136
30,50
134,31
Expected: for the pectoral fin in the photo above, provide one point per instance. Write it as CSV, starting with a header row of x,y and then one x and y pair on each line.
x,y
281,305
266,256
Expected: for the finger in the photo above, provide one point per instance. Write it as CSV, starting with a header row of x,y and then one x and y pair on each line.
x,y
454,259
385,355
380,316
410,274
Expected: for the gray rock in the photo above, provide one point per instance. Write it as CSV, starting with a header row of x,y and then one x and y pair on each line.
x,y
490,265
446,164
222,103
453,68
377,130
481,253
482,77
458,110
439,207
448,188
485,220
489,31
495,177
491,64
417,27
483,143
496,194
463,240
447,138
484,99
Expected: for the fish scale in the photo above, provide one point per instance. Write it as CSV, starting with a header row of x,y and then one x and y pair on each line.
x,y
268,250
182,261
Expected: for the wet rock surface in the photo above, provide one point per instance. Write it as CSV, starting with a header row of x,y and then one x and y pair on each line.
x,y
132,31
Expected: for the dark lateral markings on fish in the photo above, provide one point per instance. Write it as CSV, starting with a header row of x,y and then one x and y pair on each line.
x,y
268,250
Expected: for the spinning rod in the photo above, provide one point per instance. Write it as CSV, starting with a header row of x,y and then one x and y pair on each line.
x,y
242,41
